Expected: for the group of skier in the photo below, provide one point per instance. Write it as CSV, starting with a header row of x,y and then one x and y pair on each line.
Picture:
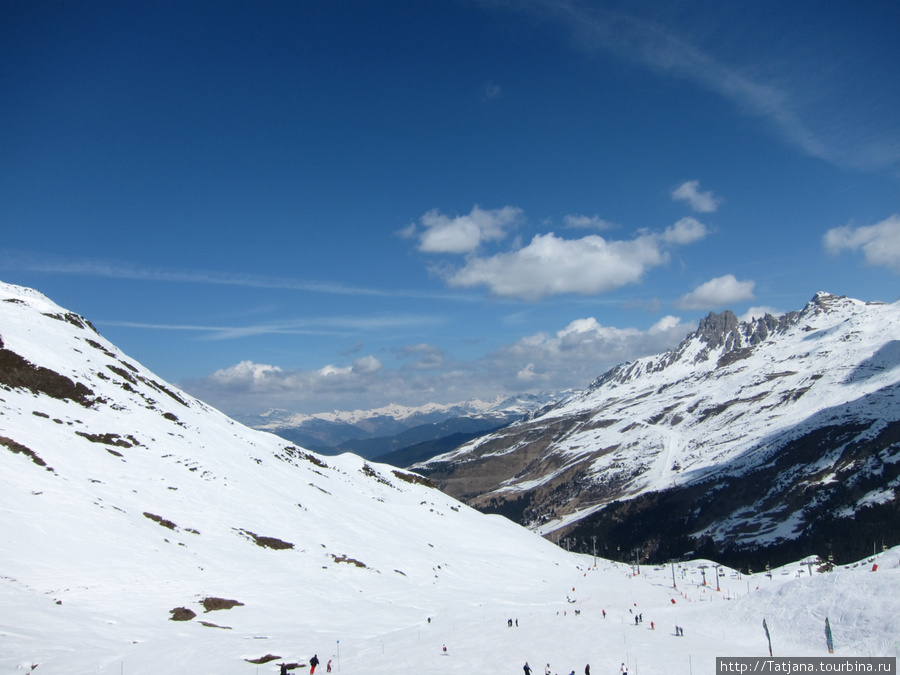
x,y
638,619
527,669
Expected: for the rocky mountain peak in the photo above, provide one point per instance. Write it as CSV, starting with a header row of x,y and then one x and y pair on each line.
x,y
721,336
714,329
826,302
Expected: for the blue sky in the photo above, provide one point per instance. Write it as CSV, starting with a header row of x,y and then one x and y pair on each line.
x,y
340,204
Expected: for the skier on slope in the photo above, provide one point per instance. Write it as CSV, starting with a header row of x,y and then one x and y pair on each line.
x,y
527,668
313,662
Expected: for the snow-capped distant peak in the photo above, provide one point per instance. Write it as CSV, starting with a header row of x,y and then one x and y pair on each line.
x,y
278,418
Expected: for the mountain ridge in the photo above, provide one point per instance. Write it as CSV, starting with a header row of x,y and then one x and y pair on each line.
x,y
392,428
728,401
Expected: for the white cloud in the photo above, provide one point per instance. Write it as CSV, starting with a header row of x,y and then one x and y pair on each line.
x,y
366,364
361,366
408,232
587,222
335,371
264,382
685,231
571,357
249,387
664,325
576,354
549,265
491,91
880,243
701,202
526,374
462,234
717,292
580,326
758,313
248,376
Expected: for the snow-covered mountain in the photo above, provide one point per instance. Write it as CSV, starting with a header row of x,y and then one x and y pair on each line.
x,y
391,428
121,491
144,532
408,415
766,438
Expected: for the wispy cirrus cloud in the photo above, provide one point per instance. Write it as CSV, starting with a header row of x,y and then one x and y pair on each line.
x,y
320,325
654,46
825,117
124,270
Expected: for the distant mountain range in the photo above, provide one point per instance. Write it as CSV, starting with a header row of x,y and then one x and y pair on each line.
x,y
398,434
751,442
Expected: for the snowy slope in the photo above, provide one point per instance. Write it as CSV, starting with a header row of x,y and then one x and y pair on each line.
x,y
122,499
119,491
805,403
